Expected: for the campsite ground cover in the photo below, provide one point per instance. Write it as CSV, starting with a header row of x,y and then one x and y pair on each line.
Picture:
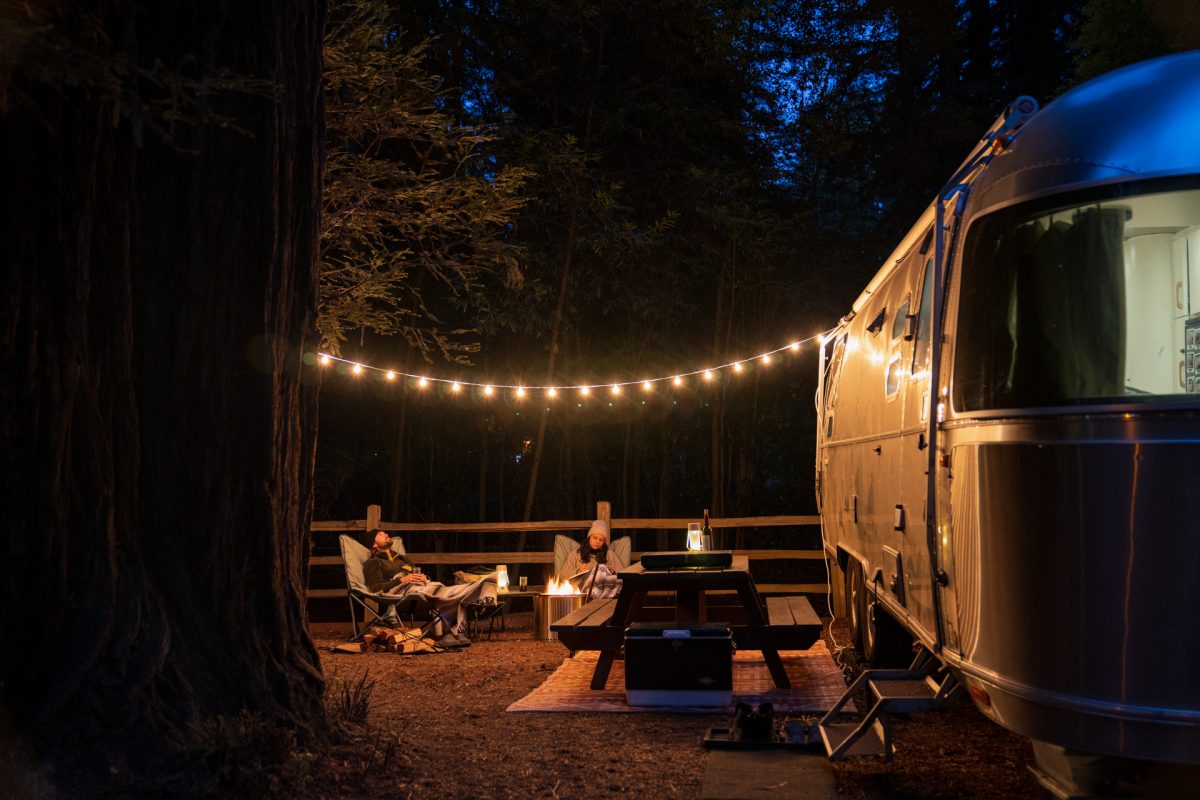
x,y
437,728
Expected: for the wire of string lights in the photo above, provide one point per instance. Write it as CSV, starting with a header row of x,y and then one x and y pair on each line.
x,y
764,359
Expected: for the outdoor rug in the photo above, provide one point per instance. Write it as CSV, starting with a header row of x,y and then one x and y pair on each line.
x,y
817,685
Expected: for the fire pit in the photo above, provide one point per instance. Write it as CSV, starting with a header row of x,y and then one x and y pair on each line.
x,y
556,602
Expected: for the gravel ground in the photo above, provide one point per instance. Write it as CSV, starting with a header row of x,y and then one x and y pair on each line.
x,y
436,728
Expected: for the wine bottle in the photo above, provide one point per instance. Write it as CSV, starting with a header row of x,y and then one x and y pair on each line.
x,y
706,533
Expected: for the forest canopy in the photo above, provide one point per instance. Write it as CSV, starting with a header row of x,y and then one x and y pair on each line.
x,y
672,185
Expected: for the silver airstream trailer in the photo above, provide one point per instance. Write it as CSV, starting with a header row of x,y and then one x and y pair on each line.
x,y
1008,453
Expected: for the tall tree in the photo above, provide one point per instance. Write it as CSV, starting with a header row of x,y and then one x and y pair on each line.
x,y
162,167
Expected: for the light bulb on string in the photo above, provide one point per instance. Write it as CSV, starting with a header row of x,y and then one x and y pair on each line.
x,y
488,390
323,360
678,381
584,389
357,369
616,389
766,359
454,387
646,386
552,392
708,376
391,376
423,382
520,391
737,366
794,346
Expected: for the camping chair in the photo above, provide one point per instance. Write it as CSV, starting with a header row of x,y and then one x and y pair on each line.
x,y
414,606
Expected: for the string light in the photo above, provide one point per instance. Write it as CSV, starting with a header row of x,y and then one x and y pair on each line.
x,y
737,366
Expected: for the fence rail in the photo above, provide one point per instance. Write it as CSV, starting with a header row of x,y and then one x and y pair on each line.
x,y
603,511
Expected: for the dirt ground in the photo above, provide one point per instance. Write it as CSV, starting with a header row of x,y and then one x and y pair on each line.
x,y
436,728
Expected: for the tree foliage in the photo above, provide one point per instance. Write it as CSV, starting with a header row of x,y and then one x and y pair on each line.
x,y
416,218
705,180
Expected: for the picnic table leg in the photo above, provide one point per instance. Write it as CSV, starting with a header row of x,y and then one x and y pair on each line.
x,y
689,605
627,601
604,666
775,665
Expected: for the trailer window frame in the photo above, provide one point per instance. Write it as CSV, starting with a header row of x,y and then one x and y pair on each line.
x,y
977,391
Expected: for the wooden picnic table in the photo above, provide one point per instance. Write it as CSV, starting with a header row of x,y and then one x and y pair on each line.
x,y
782,623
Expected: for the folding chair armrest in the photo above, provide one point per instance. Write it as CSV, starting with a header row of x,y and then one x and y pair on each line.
x,y
381,597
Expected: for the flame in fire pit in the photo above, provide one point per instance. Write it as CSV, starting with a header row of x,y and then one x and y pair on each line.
x,y
560,587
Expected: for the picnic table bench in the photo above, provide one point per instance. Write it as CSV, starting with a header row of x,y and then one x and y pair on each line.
x,y
782,623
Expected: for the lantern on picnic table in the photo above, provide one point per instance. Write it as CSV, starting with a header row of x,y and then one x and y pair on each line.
x,y
559,599
502,577
694,537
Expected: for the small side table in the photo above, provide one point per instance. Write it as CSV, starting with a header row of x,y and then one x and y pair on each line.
x,y
480,613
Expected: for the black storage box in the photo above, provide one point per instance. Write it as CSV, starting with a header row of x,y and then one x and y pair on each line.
x,y
707,559
678,664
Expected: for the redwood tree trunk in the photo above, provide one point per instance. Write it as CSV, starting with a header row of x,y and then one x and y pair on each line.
x,y
158,444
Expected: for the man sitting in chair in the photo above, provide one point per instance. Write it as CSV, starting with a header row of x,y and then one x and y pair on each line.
x,y
388,572
594,566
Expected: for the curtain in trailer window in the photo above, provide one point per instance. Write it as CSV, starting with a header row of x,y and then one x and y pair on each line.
x,y
1041,313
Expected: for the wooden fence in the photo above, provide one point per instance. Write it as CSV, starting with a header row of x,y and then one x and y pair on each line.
x,y
332,528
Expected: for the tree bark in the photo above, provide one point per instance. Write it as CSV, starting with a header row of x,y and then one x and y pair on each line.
x,y
158,441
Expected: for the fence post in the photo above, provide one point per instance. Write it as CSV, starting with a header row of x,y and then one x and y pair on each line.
x,y
604,510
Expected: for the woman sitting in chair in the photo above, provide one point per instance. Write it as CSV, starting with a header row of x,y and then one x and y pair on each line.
x,y
594,565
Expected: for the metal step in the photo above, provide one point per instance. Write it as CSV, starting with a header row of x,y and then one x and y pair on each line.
x,y
903,695
872,742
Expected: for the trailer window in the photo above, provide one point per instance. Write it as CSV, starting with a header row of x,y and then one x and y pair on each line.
x,y
895,370
924,320
1090,302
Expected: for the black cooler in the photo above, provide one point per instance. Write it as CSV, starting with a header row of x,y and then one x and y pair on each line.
x,y
678,664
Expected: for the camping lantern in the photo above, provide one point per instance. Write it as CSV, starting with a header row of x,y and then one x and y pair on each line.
x,y
694,540
502,577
